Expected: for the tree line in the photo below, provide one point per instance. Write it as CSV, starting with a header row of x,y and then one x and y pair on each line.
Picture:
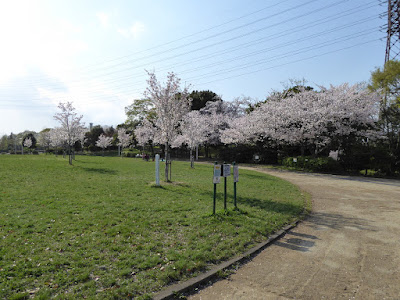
x,y
357,126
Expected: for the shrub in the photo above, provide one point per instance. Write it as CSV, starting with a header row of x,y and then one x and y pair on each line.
x,y
315,164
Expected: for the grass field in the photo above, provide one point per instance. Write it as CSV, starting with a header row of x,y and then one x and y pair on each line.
x,y
101,229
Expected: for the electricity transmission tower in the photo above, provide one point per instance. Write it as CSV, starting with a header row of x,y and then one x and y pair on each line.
x,y
393,30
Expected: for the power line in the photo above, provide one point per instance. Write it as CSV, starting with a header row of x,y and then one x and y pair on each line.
x,y
278,57
129,91
224,32
318,22
294,61
250,72
321,33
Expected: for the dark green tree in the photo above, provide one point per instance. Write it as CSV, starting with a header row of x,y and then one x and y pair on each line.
x,y
33,139
387,81
4,143
92,136
139,110
200,98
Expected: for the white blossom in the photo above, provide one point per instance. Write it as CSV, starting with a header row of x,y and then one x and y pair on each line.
x,y
312,118
145,133
104,141
28,142
71,126
170,105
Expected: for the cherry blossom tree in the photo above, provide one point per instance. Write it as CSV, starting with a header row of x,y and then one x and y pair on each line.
x,y
145,133
104,142
313,119
71,126
124,139
222,118
170,103
194,129
57,137
44,138
28,142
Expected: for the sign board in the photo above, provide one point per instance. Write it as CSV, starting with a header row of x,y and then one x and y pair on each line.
x,y
235,173
217,174
294,159
227,170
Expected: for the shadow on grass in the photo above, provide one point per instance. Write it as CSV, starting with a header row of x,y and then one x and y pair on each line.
x,y
256,176
269,205
221,215
166,184
100,171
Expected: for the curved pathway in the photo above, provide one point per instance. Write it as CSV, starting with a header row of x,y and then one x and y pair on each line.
x,y
348,248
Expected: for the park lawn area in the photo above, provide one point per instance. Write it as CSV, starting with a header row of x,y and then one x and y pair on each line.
x,y
101,229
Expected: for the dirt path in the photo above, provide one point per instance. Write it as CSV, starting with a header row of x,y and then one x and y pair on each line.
x,y
349,248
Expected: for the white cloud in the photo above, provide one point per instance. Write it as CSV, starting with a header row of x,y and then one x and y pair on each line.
x,y
123,32
137,28
104,19
67,26
96,101
133,31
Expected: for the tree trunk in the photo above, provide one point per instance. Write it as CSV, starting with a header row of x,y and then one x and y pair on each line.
x,y
70,155
191,159
302,149
197,152
166,162
151,149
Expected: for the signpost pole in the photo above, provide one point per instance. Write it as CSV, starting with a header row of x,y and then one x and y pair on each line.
x,y
215,197
224,174
216,179
215,194
234,185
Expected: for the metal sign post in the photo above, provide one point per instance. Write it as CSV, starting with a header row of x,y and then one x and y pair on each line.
x,y
216,180
226,172
235,180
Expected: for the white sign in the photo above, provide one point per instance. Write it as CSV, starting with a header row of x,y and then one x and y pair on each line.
x,y
217,174
235,173
227,170
294,160
157,169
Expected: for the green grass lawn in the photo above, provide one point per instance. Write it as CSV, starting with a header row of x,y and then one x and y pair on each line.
x,y
101,229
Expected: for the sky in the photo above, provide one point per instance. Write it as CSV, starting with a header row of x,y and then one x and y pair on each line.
x,y
95,53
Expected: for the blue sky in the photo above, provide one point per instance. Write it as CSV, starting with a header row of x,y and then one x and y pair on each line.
x,y
95,53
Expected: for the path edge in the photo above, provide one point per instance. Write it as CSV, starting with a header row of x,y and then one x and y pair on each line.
x,y
179,288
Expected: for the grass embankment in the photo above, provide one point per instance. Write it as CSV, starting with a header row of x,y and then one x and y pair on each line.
x,y
100,229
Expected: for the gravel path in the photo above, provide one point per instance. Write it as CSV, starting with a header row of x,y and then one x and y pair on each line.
x,y
348,248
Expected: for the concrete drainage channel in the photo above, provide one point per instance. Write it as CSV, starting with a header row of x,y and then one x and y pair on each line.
x,y
175,290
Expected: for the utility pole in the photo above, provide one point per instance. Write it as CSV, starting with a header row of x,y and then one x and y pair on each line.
x,y
392,30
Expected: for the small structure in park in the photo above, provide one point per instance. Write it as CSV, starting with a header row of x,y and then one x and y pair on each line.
x,y
224,170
